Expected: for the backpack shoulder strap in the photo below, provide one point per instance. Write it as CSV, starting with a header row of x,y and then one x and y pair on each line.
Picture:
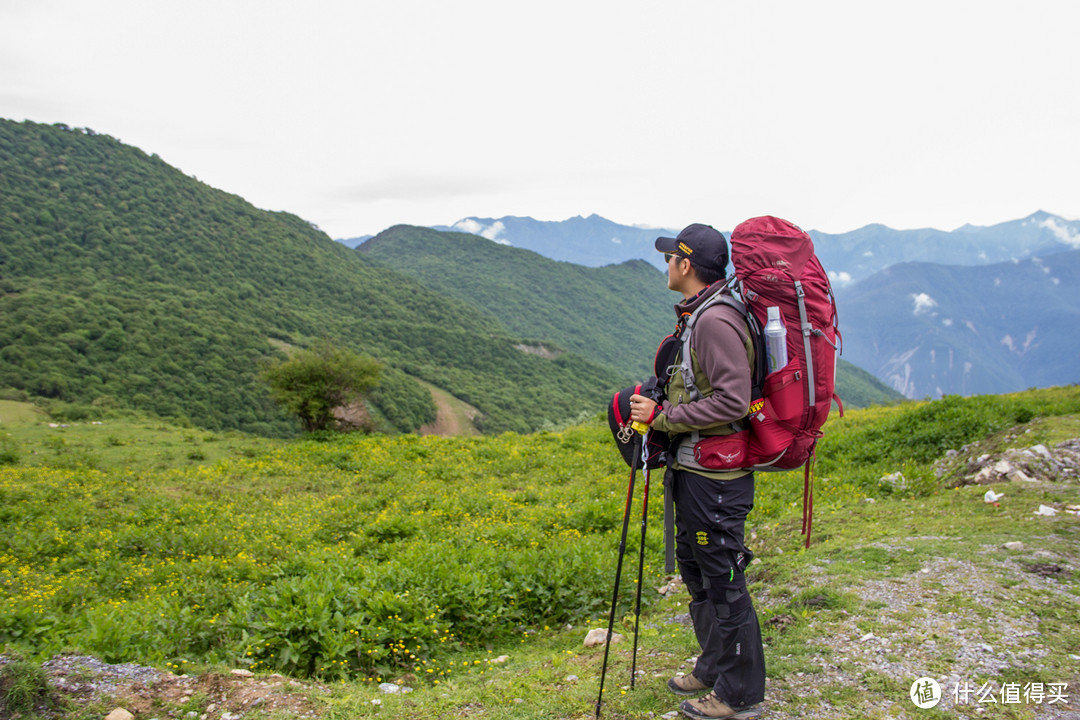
x,y
686,368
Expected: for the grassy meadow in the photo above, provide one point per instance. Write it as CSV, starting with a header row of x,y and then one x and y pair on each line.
x,y
470,568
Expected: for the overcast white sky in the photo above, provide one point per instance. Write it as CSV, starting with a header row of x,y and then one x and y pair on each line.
x,y
357,115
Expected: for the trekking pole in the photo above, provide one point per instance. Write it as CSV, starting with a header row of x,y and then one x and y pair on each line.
x,y
641,561
618,574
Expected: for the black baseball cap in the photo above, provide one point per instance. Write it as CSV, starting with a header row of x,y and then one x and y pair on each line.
x,y
702,244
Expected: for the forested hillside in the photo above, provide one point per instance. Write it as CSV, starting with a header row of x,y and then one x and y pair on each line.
x,y
127,283
616,314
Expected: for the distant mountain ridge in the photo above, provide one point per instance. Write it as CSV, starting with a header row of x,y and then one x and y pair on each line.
x,y
849,257
929,330
856,255
881,333
592,241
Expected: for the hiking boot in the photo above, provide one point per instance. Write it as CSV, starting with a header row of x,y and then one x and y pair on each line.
x,y
712,707
687,685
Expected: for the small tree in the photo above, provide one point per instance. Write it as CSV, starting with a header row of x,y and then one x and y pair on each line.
x,y
312,383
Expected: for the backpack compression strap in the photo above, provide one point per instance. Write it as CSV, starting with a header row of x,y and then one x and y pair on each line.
x,y
807,329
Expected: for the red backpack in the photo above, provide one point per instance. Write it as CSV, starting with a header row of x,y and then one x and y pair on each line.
x,y
775,265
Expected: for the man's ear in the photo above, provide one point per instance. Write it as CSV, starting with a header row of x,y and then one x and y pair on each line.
x,y
686,268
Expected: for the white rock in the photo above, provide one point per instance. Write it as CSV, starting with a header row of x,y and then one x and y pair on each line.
x,y
243,673
501,659
1003,467
389,688
895,480
570,678
1014,545
1041,450
119,714
1020,476
598,636
867,637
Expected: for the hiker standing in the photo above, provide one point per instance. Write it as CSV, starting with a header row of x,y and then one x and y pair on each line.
x,y
710,506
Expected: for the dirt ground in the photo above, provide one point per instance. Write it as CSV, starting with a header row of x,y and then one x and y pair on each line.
x,y
81,685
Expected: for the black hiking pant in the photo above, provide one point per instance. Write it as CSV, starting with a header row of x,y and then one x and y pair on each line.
x,y
710,521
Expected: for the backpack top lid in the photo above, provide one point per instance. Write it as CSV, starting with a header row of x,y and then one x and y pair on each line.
x,y
769,241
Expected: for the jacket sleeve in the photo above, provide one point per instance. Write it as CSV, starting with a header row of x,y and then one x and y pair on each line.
x,y
719,348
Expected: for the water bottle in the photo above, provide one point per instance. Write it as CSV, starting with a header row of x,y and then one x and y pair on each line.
x,y
775,340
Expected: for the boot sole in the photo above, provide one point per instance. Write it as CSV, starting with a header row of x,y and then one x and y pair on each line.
x,y
749,714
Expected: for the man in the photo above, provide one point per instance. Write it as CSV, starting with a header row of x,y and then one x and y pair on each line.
x,y
710,506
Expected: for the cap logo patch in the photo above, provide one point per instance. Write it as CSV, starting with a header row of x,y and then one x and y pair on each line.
x,y
686,248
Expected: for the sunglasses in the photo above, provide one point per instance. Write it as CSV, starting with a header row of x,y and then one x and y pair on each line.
x,y
668,256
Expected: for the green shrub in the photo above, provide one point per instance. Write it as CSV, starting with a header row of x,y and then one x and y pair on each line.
x,y
9,450
24,687
14,394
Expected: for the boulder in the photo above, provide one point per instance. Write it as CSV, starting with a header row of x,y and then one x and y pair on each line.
x,y
598,636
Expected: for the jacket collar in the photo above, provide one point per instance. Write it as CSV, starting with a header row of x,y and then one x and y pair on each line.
x,y
689,305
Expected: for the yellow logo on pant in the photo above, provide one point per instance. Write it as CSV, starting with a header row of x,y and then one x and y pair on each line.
x,y
702,538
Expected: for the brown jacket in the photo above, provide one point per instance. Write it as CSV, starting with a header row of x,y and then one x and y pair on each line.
x,y
722,355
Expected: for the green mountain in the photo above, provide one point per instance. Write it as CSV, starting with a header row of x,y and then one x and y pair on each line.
x,y
858,388
615,314
124,282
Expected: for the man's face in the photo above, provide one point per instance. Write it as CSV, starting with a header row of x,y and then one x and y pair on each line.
x,y
676,271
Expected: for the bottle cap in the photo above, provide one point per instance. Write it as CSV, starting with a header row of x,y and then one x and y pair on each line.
x,y
774,312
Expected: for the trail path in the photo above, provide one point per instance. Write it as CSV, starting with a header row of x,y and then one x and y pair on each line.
x,y
453,417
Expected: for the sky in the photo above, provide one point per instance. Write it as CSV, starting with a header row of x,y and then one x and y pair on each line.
x,y
358,115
